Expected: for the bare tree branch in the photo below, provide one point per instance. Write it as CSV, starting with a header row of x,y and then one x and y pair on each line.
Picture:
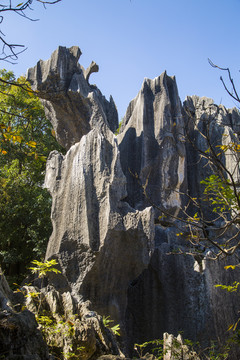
x,y
233,93
10,52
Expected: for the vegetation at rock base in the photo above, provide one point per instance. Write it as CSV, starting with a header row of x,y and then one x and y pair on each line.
x,y
26,138
178,348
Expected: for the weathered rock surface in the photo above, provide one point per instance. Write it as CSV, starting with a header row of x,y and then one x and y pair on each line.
x,y
72,105
177,288
175,349
151,145
70,328
19,335
104,237
206,124
95,225
176,293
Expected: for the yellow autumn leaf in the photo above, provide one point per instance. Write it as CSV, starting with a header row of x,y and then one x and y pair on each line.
x,y
19,138
32,144
16,138
230,267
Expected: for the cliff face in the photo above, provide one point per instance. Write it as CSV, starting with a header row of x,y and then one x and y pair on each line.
x,y
111,246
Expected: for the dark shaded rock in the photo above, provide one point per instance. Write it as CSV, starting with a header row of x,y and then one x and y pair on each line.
x,y
166,296
19,335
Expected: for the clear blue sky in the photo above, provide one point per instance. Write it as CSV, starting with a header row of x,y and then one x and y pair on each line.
x,y
134,39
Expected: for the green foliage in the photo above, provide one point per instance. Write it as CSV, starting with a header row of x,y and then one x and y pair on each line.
x,y
219,194
43,268
188,349
26,138
53,328
106,321
229,288
75,355
119,127
155,347
115,329
55,331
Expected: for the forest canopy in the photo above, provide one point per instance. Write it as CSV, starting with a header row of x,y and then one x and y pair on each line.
x,y
26,139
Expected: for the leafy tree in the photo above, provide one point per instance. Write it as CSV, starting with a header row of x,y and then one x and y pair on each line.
x,y
26,138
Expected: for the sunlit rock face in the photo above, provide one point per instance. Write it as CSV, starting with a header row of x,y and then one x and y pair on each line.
x,y
151,145
101,243
107,236
209,125
72,105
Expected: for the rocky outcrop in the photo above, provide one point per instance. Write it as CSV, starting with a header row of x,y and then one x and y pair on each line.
x,y
152,147
95,224
69,327
20,337
174,349
72,105
112,247
208,124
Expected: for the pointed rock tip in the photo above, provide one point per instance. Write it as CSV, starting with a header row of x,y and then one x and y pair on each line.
x,y
73,50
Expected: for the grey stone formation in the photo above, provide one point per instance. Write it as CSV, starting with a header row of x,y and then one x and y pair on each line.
x,y
174,348
95,224
111,245
76,329
72,105
19,336
151,145
204,119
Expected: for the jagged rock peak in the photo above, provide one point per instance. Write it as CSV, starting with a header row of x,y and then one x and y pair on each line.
x,y
151,144
55,74
72,105
203,108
